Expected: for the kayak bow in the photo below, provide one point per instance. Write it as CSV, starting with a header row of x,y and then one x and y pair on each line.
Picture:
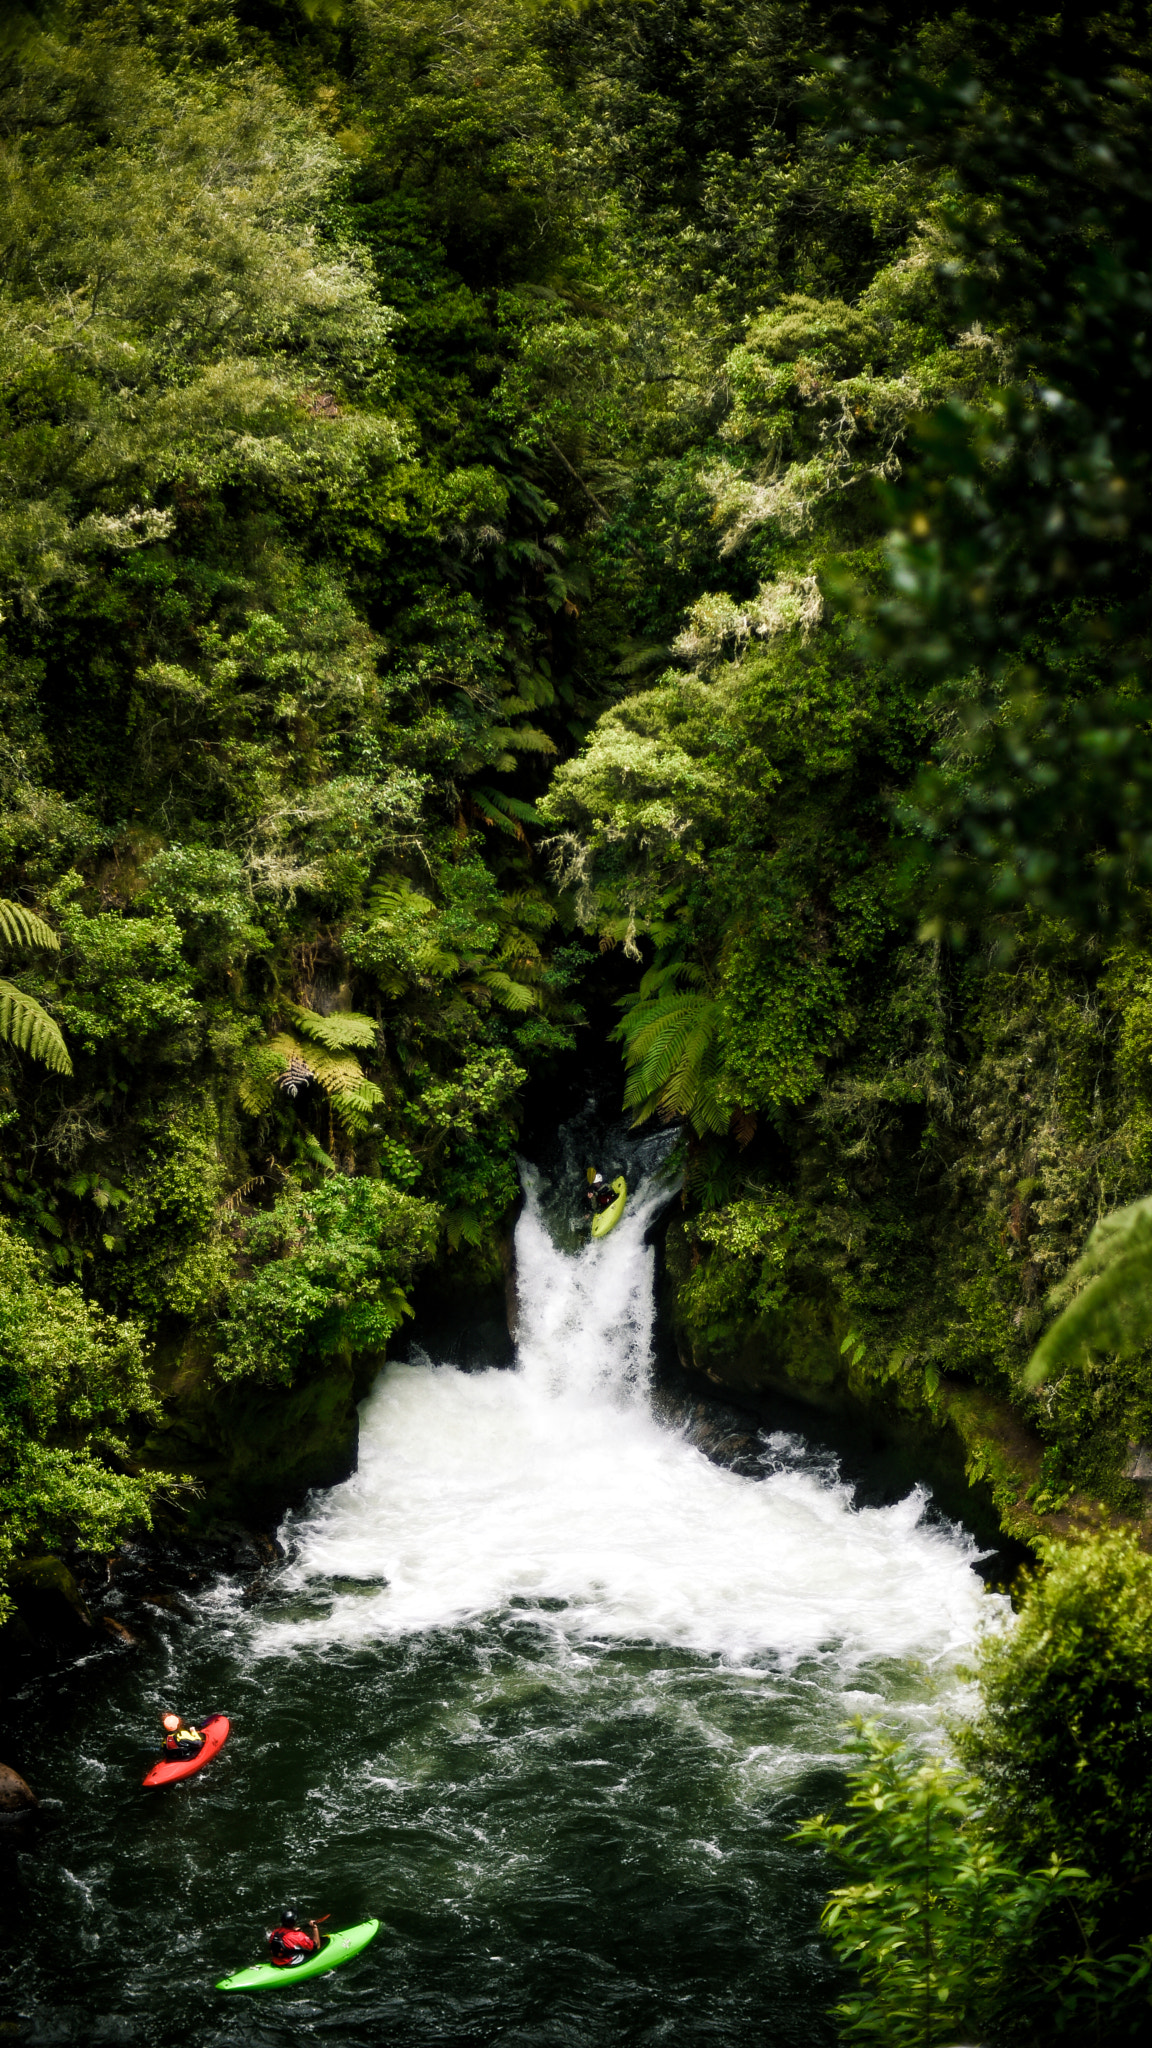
x,y
215,1730
610,1217
339,1948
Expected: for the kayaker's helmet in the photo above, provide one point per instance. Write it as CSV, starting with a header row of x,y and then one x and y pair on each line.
x,y
287,1917
171,1722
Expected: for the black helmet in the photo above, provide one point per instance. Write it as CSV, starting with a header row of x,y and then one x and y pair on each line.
x,y
287,1917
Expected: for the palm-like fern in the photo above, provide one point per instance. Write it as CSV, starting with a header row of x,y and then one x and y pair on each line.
x,y
23,1021
319,1050
1106,1295
671,1050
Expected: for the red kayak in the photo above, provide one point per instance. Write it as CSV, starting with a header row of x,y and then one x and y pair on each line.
x,y
215,1732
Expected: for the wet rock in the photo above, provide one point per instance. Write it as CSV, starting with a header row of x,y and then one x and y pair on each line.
x,y
19,1810
49,1600
16,1796
118,1632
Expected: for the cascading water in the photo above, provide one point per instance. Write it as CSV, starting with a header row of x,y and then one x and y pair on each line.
x,y
542,1687
555,1490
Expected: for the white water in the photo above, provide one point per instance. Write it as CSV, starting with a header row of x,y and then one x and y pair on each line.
x,y
553,1490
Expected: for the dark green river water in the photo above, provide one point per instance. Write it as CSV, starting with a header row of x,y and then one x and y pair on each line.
x,y
541,1687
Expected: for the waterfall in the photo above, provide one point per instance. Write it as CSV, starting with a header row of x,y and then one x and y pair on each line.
x,y
552,1491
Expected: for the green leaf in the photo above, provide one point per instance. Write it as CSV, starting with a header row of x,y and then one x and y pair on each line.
x,y
1110,1286
22,927
25,1023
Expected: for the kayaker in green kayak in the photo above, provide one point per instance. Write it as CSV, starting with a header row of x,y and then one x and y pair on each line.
x,y
601,1193
289,1943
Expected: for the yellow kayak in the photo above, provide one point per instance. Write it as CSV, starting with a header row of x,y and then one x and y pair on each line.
x,y
610,1217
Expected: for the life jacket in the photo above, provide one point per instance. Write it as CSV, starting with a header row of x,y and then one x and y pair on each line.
x,y
185,1735
287,1942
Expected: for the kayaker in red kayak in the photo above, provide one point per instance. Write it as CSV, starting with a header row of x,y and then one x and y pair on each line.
x,y
289,1943
180,1742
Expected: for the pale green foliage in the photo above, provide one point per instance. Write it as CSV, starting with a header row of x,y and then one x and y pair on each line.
x,y
827,393
169,311
70,1377
122,978
1106,1297
23,1021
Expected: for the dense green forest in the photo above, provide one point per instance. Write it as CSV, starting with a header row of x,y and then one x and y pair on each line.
x,y
566,502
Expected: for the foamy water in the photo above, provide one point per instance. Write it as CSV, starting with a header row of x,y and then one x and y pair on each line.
x,y
553,1489
561,1753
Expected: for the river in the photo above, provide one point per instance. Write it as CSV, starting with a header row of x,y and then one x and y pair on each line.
x,y
541,1686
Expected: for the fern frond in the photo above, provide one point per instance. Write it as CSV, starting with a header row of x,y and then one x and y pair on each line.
x,y
522,739
22,927
655,1033
352,1095
505,812
241,1194
671,1053
660,977
1108,1295
512,995
342,1028
339,1073
384,904
25,1023
263,1070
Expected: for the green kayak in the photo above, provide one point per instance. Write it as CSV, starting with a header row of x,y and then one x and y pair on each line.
x,y
339,1948
610,1217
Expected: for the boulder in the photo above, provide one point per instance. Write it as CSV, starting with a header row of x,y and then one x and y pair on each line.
x,y
15,1796
48,1598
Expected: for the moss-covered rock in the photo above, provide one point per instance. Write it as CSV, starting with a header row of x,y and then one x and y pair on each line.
x,y
252,1451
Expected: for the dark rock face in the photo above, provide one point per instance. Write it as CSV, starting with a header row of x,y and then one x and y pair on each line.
x,y
49,1601
253,1450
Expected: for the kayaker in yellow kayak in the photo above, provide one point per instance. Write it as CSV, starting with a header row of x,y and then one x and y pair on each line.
x,y
601,1193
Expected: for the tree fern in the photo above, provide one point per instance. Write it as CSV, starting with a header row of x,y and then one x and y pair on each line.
x,y
508,813
23,1021
671,1050
342,1029
1106,1297
289,1061
22,927
510,994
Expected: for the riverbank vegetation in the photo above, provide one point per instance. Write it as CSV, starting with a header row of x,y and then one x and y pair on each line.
x,y
998,1895
505,502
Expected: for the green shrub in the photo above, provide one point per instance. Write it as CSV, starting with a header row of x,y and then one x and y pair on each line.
x,y
70,1377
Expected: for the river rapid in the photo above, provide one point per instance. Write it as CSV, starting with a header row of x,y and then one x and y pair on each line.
x,y
541,1686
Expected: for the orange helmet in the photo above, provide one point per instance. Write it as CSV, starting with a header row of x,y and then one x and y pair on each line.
x,y
171,1722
